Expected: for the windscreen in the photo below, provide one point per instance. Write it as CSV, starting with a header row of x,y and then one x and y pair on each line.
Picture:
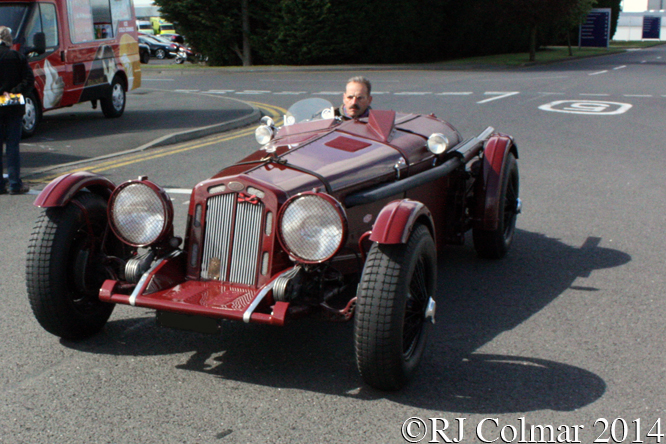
x,y
13,16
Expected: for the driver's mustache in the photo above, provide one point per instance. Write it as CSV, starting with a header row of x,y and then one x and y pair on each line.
x,y
354,107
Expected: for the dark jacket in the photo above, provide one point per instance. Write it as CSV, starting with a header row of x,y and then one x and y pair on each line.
x,y
16,77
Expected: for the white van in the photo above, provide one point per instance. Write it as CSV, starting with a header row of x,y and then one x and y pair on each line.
x,y
144,27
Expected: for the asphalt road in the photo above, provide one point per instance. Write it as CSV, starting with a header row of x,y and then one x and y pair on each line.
x,y
566,331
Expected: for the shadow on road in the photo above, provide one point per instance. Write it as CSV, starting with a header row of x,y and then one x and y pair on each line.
x,y
478,300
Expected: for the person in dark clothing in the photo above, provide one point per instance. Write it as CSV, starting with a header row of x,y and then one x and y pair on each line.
x,y
16,77
356,99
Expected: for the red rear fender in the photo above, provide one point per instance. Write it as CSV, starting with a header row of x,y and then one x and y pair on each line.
x,y
395,222
62,189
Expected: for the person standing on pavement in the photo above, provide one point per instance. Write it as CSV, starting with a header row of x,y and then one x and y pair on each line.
x,y
16,77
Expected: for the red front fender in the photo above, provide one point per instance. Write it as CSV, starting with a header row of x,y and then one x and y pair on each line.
x,y
489,186
61,189
395,222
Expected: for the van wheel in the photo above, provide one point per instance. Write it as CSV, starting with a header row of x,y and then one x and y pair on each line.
x,y
32,116
114,104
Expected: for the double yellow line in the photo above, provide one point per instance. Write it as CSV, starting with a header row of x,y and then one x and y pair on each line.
x,y
275,112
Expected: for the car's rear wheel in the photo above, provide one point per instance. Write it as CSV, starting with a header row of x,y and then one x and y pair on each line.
x,y
145,57
160,54
394,310
67,264
114,105
494,244
32,116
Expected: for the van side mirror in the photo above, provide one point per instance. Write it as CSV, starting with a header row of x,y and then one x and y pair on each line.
x,y
39,43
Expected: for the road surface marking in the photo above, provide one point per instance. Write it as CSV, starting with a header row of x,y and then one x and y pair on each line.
x,y
454,94
597,73
155,153
501,95
253,92
589,107
620,67
178,190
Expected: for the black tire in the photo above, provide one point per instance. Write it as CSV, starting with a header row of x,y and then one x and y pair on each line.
x,y
114,105
32,116
160,54
391,328
64,268
494,244
145,57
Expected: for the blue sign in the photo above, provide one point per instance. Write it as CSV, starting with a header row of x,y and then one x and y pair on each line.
x,y
595,31
651,27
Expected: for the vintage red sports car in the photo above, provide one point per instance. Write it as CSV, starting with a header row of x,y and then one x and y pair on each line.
x,y
335,218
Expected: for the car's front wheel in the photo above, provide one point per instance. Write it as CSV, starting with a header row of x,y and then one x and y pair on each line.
x,y
394,309
66,265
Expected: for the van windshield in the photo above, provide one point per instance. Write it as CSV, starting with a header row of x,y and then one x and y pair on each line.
x,y
14,15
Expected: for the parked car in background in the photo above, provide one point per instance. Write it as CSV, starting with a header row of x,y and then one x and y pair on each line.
x,y
176,38
331,218
159,48
145,27
144,53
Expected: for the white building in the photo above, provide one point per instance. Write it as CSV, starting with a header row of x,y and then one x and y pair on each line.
x,y
146,8
632,18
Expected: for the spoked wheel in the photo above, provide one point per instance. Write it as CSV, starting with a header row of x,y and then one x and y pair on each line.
x,y
494,244
114,104
394,310
67,262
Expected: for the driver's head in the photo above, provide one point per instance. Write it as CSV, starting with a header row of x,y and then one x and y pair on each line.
x,y
356,97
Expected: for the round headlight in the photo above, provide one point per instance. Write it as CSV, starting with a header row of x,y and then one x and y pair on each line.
x,y
140,213
263,134
312,227
437,143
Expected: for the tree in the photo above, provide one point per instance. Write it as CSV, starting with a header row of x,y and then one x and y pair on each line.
x,y
616,7
576,15
534,14
220,29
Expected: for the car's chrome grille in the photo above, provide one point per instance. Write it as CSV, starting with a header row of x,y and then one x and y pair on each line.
x,y
231,249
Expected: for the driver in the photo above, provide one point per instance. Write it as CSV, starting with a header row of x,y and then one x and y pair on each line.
x,y
356,99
